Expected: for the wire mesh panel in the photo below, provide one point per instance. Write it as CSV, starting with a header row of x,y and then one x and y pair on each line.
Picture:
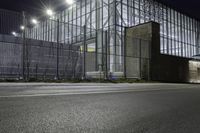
x,y
42,60
10,61
9,21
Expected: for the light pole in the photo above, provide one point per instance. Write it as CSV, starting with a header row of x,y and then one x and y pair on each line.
x,y
24,46
58,48
84,54
50,13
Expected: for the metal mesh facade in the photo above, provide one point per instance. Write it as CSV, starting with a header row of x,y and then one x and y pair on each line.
x,y
180,34
9,21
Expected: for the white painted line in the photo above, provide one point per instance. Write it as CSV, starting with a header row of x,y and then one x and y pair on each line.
x,y
84,93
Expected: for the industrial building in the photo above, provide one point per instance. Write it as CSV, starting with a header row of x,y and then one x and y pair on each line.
x,y
101,28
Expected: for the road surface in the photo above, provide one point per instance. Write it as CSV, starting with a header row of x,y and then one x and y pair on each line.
x,y
99,108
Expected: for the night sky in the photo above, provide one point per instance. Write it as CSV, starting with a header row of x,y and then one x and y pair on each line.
x,y
35,7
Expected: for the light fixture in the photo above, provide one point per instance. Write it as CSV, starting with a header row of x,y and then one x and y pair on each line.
x,y
14,33
70,2
22,27
34,21
49,12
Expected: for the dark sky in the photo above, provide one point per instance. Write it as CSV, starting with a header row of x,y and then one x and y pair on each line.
x,y
34,7
191,7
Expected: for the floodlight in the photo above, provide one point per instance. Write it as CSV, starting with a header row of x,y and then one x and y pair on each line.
x,y
49,12
14,33
22,27
34,21
70,2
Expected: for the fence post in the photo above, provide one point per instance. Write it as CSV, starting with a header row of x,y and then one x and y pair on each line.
x,y
36,71
125,37
23,47
84,54
57,63
18,67
28,68
106,50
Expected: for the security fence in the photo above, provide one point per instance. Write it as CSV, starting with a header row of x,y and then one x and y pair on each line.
x,y
32,59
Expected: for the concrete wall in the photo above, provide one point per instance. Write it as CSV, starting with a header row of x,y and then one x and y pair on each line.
x,y
160,67
139,42
170,69
194,75
90,62
176,69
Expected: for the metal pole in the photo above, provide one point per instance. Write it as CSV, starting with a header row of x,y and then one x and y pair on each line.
x,y
57,64
125,40
106,50
36,71
84,54
23,48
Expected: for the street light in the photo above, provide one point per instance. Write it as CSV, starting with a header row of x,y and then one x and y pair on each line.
x,y
34,21
70,2
14,33
49,12
22,27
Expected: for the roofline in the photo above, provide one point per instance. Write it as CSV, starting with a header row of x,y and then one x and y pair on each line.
x,y
163,3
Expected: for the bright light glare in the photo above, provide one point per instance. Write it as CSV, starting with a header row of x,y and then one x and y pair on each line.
x,y
22,27
49,12
34,21
14,33
70,2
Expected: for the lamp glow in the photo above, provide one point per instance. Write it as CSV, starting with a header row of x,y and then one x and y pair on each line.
x,y
34,21
49,12
22,27
14,33
70,2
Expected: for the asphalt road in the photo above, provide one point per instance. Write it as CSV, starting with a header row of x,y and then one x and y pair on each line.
x,y
99,108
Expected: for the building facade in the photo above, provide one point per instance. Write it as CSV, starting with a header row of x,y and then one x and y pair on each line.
x,y
105,22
